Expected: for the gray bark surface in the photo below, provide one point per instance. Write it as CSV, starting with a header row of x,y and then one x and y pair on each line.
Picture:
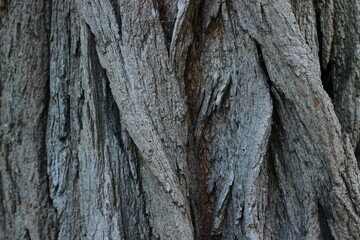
x,y
189,119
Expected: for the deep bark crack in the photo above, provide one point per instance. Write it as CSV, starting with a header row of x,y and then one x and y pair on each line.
x,y
324,226
326,71
116,8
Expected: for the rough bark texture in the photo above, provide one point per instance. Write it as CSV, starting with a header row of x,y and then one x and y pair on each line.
x,y
188,119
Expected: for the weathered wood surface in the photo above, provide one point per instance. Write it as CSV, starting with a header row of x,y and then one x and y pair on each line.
x,y
189,119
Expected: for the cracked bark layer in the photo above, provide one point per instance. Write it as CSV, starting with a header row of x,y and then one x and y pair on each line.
x,y
190,119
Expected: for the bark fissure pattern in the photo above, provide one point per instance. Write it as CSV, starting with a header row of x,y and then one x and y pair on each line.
x,y
188,119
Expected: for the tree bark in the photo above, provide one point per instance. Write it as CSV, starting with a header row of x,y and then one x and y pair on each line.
x,y
189,119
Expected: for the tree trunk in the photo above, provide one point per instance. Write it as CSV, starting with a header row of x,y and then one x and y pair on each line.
x,y
189,119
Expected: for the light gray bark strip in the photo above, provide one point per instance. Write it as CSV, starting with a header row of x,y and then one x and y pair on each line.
x,y
63,125
153,109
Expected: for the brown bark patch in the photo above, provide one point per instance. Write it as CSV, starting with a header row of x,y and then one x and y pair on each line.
x,y
316,102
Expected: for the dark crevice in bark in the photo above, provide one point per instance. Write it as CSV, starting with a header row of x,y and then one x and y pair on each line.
x,y
78,49
264,68
293,6
192,68
81,101
324,226
27,234
109,120
273,187
97,88
327,78
326,71
197,146
68,33
3,9
357,154
167,21
116,8
272,173
276,197
3,4
108,111
193,217
261,61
